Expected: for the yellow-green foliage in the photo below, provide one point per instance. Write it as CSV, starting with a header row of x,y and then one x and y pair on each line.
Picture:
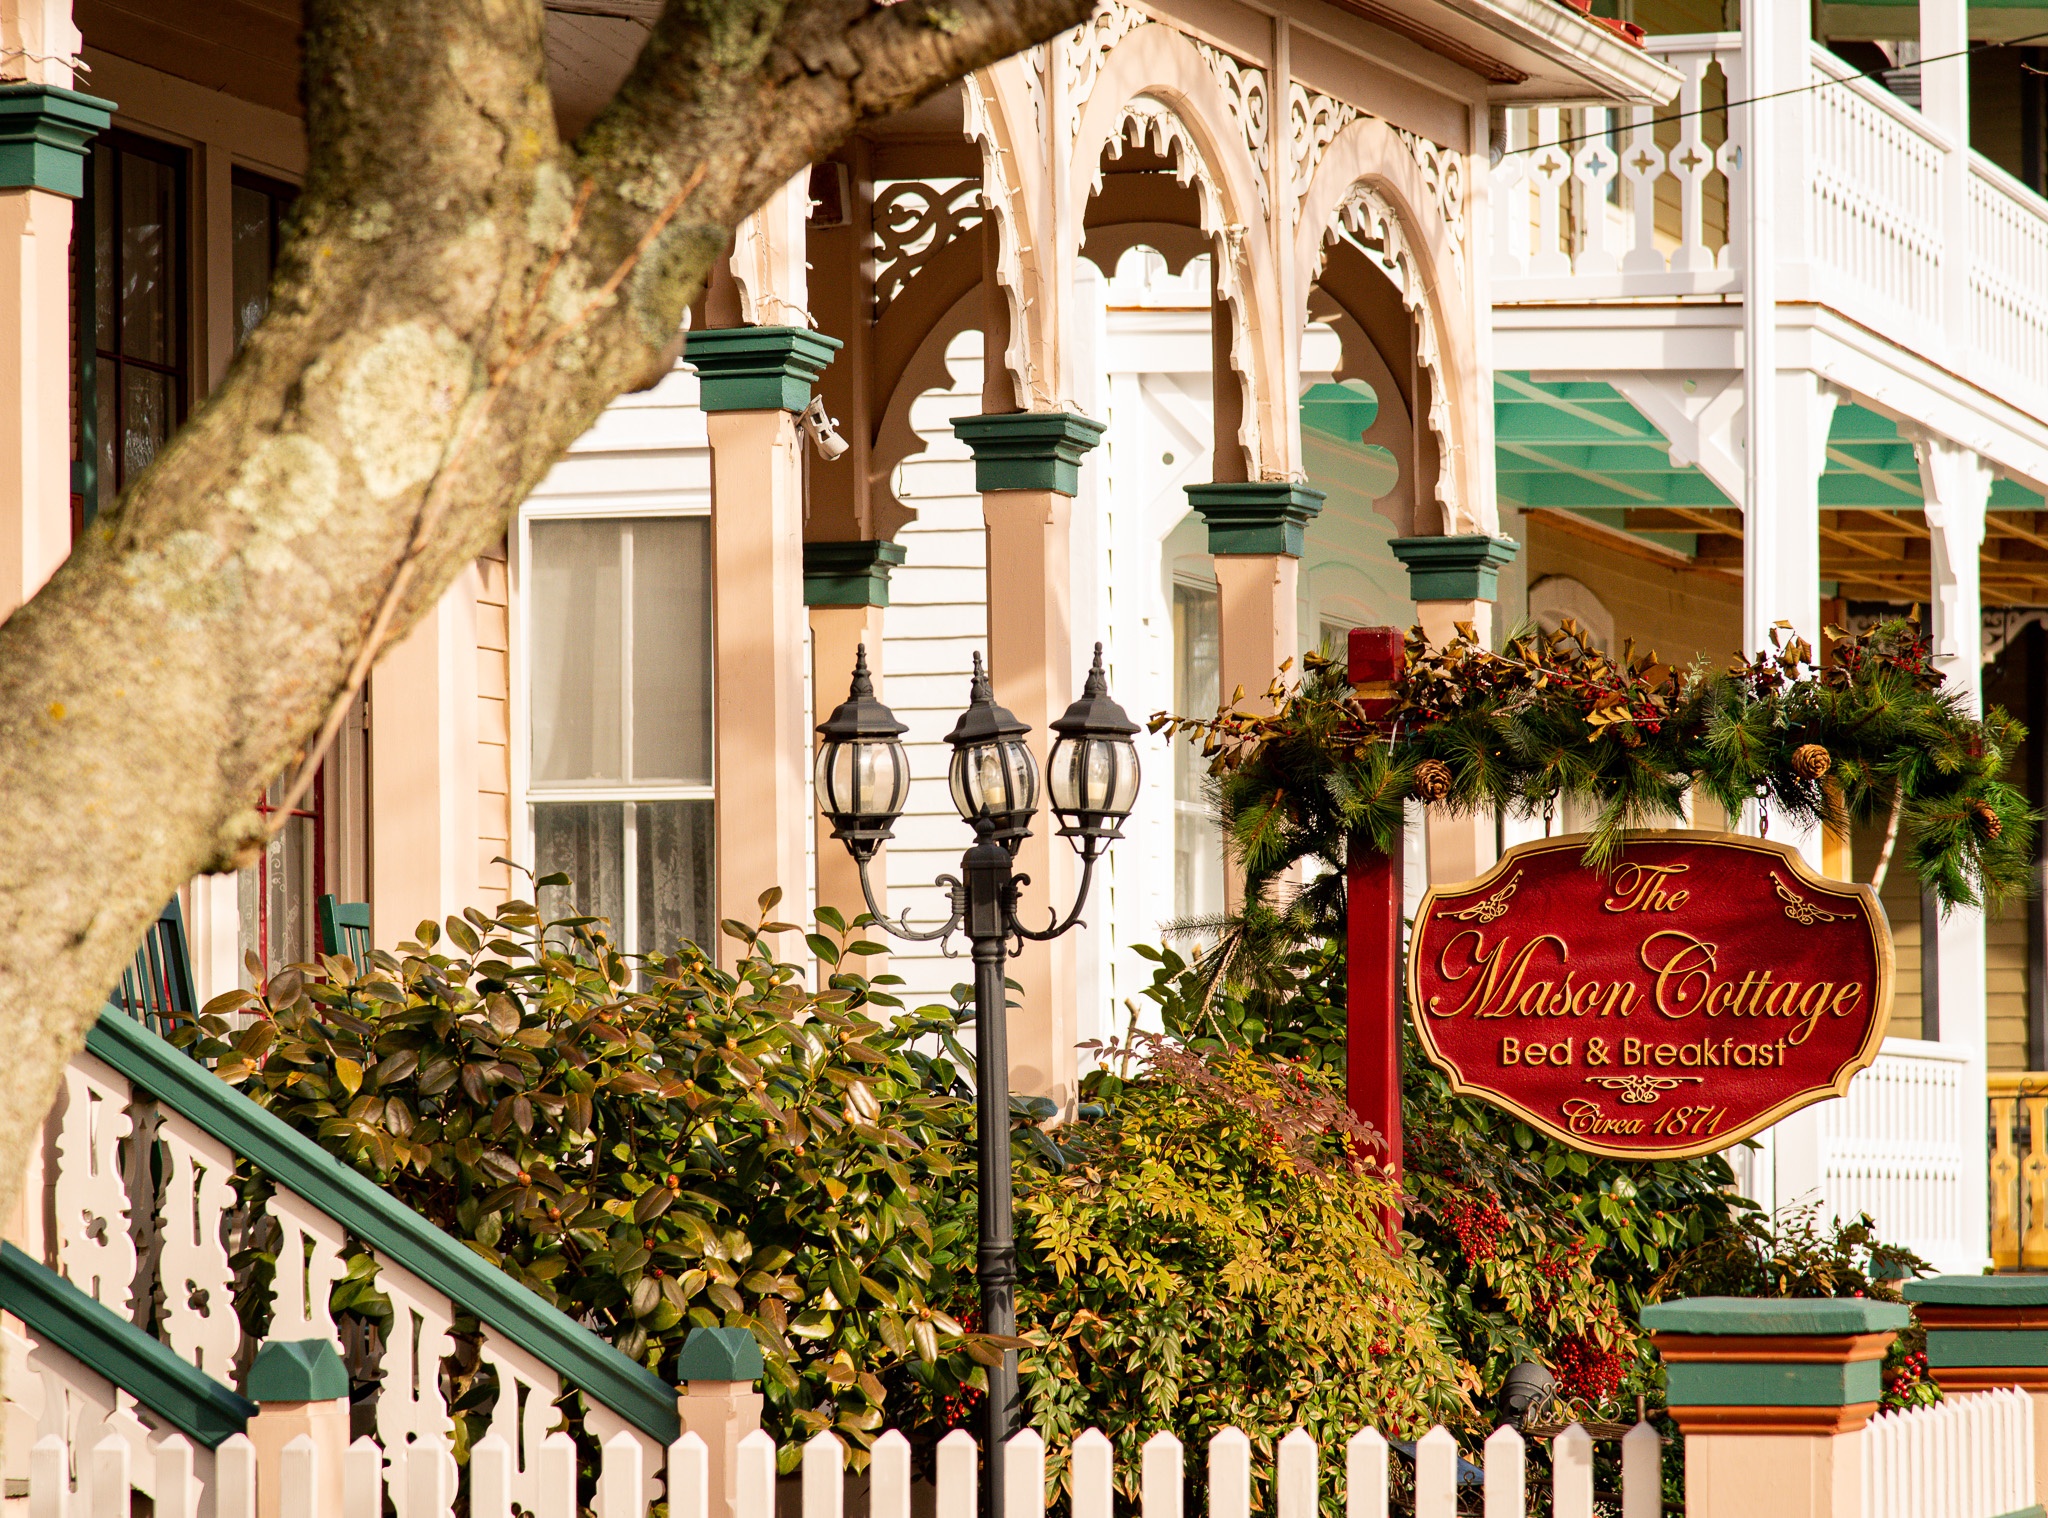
x,y
1212,1255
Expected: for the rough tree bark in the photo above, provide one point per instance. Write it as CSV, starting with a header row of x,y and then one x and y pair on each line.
x,y
460,294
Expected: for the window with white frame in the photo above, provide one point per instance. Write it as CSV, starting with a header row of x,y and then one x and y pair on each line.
x,y
1197,692
619,778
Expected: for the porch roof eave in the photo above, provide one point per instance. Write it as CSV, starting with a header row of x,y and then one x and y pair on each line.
x,y
1566,58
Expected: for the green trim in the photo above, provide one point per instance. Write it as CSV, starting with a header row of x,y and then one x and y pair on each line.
x,y
1462,567
106,1343
758,368
1029,450
1740,1383
2036,1511
1757,1316
720,1354
1981,1348
1257,516
850,573
1978,1291
297,1370
45,134
365,1210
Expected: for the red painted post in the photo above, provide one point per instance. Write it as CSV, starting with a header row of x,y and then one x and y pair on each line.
x,y
1373,934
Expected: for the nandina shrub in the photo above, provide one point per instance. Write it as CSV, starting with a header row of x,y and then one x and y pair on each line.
x,y
1211,1255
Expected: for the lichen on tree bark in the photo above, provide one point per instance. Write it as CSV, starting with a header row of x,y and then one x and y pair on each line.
x,y
459,294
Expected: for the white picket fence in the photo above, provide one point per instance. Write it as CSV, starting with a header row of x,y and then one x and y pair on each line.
x,y
1966,1457
94,1481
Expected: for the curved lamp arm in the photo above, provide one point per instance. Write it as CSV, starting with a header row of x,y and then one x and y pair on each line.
x,y
1055,927
901,927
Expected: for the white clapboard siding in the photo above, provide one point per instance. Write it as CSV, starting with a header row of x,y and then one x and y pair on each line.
x,y
937,619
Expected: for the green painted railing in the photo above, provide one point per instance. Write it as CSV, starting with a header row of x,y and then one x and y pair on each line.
x,y
295,1162
99,1338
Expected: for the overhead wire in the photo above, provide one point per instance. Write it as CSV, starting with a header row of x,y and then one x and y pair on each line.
x,y
1799,89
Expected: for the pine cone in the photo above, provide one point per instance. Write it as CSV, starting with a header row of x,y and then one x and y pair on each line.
x,y
1986,820
1811,762
1432,780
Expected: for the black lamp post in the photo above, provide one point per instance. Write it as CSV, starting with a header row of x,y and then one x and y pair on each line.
x,y
863,780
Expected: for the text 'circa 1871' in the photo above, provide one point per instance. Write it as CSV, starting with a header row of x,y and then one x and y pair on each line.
x,y
1696,991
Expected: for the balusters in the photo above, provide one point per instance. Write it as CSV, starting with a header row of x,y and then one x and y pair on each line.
x,y
410,1407
689,1478
1691,161
1549,171
2033,1248
524,1414
178,1492
199,1284
309,1264
234,1478
604,1425
94,1248
1642,165
1508,188
1595,165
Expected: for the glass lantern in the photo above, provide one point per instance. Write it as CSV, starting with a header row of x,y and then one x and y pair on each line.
x,y
863,774
1092,772
993,775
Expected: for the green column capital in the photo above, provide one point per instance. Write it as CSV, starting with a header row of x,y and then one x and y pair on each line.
x,y
45,134
1029,450
852,573
1983,1331
720,1354
297,1370
758,368
1461,567
1256,516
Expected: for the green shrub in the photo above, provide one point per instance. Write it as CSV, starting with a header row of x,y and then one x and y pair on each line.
x,y
651,1146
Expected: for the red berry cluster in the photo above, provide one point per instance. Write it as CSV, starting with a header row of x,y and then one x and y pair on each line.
x,y
1911,1372
1477,1226
1585,1372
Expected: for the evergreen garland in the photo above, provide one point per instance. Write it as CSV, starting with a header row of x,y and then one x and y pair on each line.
x,y
1552,718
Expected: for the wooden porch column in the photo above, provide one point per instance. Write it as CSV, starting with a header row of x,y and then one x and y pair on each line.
x,y
44,132
1455,579
752,382
1027,466
1955,484
1257,530
846,587
1772,1398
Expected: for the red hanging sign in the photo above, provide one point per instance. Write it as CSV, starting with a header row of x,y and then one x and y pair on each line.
x,y
1699,990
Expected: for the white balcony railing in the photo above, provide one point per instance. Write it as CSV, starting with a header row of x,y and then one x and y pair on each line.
x,y
1605,204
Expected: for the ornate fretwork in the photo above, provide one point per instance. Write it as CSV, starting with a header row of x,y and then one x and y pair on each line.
x,y
998,202
1369,221
1313,122
1081,53
914,220
1443,176
1245,97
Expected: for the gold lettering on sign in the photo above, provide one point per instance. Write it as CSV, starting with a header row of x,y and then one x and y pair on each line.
x,y
1802,911
1641,888
1501,985
1641,1090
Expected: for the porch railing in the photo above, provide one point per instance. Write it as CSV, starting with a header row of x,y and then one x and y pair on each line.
x,y
1613,204
140,1210
2019,1169
1896,1148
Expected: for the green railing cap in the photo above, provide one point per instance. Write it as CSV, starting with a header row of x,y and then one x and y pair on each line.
x,y
387,1225
1775,1317
719,1354
1978,1291
297,1370
199,1407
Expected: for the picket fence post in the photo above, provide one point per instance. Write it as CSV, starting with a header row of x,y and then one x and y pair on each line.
x,y
1986,1332
1772,1398
719,1368
300,1388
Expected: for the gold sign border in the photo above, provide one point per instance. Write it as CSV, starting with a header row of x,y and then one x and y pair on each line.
x,y
1878,924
